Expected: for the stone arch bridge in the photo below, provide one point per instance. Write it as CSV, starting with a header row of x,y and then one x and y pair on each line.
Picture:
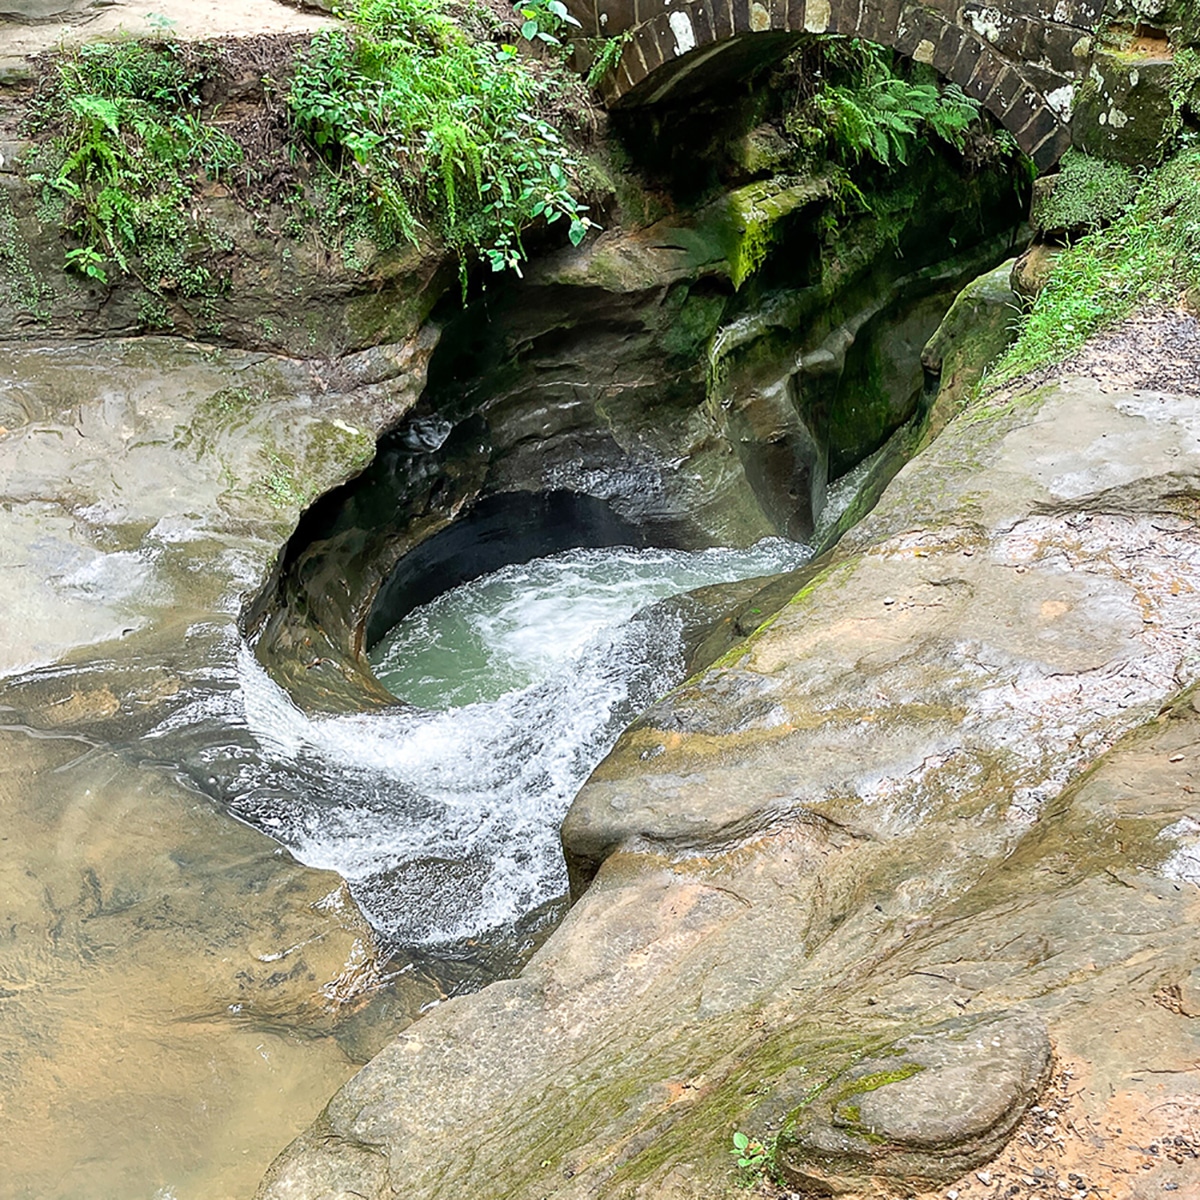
x,y
1021,59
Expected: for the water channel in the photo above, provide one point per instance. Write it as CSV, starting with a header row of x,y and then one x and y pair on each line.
x,y
443,813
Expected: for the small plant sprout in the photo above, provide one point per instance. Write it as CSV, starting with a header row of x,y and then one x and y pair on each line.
x,y
88,262
753,1157
607,53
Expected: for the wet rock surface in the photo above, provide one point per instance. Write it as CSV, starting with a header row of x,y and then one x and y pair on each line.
x,y
871,822
169,981
641,375
172,983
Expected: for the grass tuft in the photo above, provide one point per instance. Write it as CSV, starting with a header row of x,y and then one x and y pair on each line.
x,y
1148,256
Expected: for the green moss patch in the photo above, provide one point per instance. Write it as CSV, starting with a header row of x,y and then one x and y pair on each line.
x,y
1087,194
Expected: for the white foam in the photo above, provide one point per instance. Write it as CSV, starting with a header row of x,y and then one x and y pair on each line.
x,y
446,822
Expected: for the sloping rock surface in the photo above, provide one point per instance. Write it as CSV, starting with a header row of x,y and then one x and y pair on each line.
x,y
869,822
170,980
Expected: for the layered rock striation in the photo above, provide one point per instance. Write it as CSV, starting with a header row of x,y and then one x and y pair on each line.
x,y
936,814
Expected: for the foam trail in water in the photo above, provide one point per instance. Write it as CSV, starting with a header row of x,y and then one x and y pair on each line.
x,y
445,819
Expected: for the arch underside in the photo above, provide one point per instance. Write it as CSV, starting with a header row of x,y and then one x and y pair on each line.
x,y
681,47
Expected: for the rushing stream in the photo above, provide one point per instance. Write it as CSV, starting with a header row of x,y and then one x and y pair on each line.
x,y
443,814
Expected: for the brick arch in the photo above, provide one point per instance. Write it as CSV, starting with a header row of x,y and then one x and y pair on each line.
x,y
1021,59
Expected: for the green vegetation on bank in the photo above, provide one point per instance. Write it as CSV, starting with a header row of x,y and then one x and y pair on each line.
x,y
872,110
860,106
1149,255
400,125
422,125
127,145
412,123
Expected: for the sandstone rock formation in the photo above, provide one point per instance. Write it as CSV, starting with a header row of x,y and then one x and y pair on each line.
x,y
171,978
855,831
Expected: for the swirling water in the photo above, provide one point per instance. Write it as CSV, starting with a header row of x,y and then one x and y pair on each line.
x,y
443,814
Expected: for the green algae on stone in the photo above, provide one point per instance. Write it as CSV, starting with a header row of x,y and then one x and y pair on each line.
x,y
21,289
753,215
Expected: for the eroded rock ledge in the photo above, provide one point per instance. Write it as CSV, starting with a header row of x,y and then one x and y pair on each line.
x,y
869,834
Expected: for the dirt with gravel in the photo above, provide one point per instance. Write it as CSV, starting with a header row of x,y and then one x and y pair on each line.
x,y
1157,349
190,20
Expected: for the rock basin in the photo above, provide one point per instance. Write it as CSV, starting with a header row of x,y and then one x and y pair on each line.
x,y
872,819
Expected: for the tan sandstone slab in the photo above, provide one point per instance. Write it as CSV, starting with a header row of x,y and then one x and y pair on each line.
x,y
45,26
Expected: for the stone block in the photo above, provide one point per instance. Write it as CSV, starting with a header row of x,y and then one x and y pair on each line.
x,y
702,23
1123,109
633,60
655,44
587,13
879,21
1004,95
962,69
1058,91
1043,123
1021,113
989,67
625,79
946,52
991,23
1083,14
1048,152
844,16
795,15
615,16
722,16
918,33
817,15
1054,46
948,9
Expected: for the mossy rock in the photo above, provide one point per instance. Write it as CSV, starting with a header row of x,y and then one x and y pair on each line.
x,y
928,1108
1086,194
1125,110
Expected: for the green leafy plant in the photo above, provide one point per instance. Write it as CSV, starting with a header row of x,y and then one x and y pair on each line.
x,y
606,53
87,261
422,127
1185,92
881,114
126,152
869,110
544,20
753,1156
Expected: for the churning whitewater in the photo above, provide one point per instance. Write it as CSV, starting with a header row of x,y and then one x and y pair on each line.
x,y
443,814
